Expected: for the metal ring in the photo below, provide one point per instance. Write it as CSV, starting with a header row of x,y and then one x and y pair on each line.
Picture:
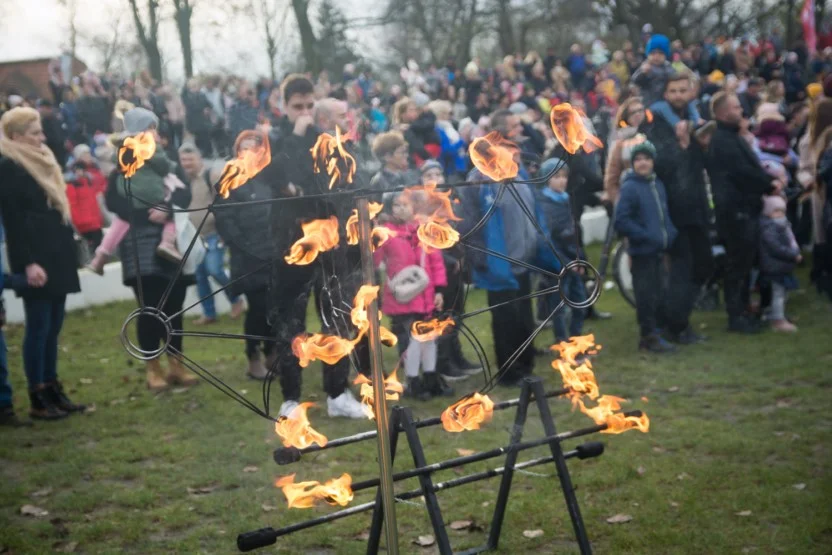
x,y
136,351
596,292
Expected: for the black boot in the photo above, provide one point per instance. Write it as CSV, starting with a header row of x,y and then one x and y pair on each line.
x,y
9,418
436,385
655,343
59,398
42,406
416,389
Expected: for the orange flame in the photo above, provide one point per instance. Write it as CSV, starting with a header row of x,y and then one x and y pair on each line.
x,y
430,329
318,346
468,413
575,346
134,152
580,380
568,126
605,413
433,230
352,222
295,430
358,315
318,236
649,115
388,338
329,153
249,162
493,156
381,235
393,388
303,495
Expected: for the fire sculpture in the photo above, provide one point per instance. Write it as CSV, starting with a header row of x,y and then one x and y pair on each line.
x,y
254,154
330,155
393,388
430,329
468,414
605,413
304,495
318,236
493,155
295,430
352,222
134,152
434,230
568,126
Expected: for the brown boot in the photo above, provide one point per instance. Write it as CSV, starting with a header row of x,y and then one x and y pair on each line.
x,y
256,370
179,375
155,375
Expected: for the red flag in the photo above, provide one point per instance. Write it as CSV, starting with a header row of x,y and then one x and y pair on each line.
x,y
807,17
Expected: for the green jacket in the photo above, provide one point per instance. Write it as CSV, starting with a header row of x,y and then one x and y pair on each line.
x,y
147,185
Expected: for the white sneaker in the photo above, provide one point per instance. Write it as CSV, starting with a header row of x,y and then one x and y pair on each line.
x,y
345,405
287,407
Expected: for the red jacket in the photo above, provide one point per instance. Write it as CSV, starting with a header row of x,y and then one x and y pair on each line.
x,y
83,204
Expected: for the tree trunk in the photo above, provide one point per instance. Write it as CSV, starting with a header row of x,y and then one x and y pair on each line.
x,y
463,55
149,37
154,62
505,29
183,13
307,36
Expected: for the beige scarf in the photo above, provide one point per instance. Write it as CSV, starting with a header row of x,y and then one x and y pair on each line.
x,y
41,164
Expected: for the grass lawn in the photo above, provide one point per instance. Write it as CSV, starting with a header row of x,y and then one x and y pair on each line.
x,y
736,461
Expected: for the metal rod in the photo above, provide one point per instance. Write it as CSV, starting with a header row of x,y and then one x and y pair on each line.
x,y
268,536
288,455
540,293
385,462
510,260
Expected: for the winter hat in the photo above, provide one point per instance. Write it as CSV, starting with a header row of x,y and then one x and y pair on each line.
x,y
518,108
139,120
716,77
15,100
645,147
772,203
659,42
814,90
80,150
430,165
552,165
420,99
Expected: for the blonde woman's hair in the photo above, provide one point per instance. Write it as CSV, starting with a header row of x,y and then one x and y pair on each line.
x,y
441,108
18,120
399,108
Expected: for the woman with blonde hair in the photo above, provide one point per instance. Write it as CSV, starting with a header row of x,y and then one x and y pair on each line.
x,y
41,246
629,116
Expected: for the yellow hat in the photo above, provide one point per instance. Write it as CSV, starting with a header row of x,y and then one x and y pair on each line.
x,y
716,77
814,90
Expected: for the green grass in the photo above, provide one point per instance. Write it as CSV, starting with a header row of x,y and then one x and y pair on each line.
x,y
735,424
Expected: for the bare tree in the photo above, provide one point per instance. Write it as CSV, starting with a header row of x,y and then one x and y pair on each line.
x,y
308,42
109,44
183,10
148,35
71,7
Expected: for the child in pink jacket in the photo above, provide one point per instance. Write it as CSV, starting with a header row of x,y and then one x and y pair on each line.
x,y
399,252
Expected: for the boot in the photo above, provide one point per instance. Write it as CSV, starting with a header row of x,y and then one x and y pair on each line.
x,y
179,375
167,248
96,265
655,343
59,398
436,385
10,419
256,370
42,406
155,375
458,357
416,389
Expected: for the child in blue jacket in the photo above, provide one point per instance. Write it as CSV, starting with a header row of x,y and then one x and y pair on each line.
x,y
642,217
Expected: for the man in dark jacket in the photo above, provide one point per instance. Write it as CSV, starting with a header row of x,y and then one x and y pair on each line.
x,y
738,183
94,109
680,165
750,98
245,112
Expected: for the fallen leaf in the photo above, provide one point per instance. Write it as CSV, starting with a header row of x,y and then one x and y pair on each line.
x,y
85,381
673,389
658,449
41,492
204,490
68,547
267,508
641,470
31,510
465,452
486,503
782,404
620,518
125,379
178,390
645,399
531,534
90,409
674,504
251,468
799,487
743,513
461,524
362,536
683,476
424,541
104,360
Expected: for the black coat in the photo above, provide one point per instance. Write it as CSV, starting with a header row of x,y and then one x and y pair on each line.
x,y
36,234
683,173
738,181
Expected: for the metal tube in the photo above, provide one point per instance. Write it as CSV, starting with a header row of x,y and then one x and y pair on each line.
x,y
385,462
288,455
268,536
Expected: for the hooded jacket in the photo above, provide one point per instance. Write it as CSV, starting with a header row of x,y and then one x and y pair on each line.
x,y
642,215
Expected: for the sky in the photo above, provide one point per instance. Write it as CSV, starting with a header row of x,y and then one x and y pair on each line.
x,y
38,28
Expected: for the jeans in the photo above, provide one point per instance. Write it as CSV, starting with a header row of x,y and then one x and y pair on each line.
x,y
44,319
573,289
5,386
212,266
647,286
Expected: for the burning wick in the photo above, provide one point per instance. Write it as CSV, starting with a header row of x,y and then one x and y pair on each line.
x,y
318,236
253,154
493,156
434,231
605,413
468,413
430,329
393,388
575,347
352,222
134,152
329,153
295,430
303,495
572,134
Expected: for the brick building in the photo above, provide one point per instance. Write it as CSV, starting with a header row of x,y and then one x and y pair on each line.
x,y
31,77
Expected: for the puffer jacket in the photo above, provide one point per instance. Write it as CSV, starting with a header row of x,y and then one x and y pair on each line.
x,y
83,204
778,249
401,251
642,216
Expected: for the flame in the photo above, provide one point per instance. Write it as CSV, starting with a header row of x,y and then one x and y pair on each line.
x,y
576,346
605,413
493,156
303,495
381,235
568,126
430,329
388,338
393,388
358,315
329,153
580,380
295,430
318,236
319,346
468,413
649,115
249,162
134,152
434,231
352,222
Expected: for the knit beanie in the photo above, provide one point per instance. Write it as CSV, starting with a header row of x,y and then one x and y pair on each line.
x,y
430,165
80,150
659,42
645,147
772,203
552,165
139,120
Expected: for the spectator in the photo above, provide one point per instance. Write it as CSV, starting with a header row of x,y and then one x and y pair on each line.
x,y
53,130
93,109
331,114
36,214
245,113
779,255
737,183
619,69
391,150
654,73
83,197
630,115
642,217
198,117
453,154
750,98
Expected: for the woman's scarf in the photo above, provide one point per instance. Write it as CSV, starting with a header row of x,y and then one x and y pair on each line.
x,y
41,164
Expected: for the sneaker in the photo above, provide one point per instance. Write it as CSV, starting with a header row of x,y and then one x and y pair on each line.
x,y
9,418
783,326
238,308
345,405
287,407
452,373
415,389
96,265
436,385
656,344
687,337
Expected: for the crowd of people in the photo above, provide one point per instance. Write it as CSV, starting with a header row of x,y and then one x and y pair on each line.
x,y
726,138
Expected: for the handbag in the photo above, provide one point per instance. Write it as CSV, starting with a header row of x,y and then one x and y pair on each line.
x,y
410,282
185,234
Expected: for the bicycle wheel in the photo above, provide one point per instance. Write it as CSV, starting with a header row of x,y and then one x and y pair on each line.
x,y
621,273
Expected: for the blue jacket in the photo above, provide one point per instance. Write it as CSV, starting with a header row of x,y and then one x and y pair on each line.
x,y
453,155
642,216
558,218
489,272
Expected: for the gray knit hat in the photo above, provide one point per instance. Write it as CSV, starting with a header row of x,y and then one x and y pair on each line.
x,y
551,166
139,120
430,165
